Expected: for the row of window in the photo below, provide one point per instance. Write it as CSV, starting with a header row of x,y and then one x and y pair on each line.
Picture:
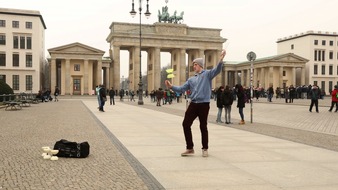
x,y
16,24
16,60
22,41
16,81
322,86
319,55
315,69
324,42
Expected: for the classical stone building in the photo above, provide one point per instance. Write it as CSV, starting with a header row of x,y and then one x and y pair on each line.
x,y
182,42
279,70
77,69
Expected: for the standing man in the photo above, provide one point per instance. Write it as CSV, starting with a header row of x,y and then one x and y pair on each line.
x,y
111,96
200,87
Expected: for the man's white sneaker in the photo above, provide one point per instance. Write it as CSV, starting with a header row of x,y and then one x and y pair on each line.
x,y
188,152
205,152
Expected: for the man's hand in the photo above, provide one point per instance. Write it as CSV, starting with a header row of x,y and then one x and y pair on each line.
x,y
222,55
168,84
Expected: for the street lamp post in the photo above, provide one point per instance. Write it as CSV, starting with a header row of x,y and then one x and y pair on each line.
x,y
147,14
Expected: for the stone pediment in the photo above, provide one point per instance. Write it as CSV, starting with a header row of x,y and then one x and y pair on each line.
x,y
75,48
288,57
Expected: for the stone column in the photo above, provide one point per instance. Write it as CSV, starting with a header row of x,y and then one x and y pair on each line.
x,y
303,76
86,78
226,80
281,68
215,60
116,68
106,77
262,78
182,66
136,68
99,72
255,82
242,78
236,76
157,69
68,79
293,76
53,74
271,76
248,77
201,54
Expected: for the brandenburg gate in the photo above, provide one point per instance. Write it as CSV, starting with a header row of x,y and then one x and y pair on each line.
x,y
177,39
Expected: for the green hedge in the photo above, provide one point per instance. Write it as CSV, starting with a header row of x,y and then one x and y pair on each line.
x,y
5,89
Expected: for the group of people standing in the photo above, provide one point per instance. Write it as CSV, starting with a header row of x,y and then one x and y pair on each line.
x,y
225,98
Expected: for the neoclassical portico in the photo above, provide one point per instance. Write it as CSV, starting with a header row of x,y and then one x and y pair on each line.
x,y
77,68
279,71
182,42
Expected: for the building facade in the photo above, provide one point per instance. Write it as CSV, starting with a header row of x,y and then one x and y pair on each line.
x,y
277,71
321,49
182,42
76,69
22,49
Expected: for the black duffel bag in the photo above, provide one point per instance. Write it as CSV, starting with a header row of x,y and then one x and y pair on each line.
x,y
71,149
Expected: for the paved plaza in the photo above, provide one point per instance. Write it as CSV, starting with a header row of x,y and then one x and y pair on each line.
x,y
138,147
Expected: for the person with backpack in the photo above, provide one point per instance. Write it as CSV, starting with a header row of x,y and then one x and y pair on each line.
x,y
314,94
334,100
227,100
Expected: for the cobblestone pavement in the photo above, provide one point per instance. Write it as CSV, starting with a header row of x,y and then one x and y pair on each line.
x,y
24,132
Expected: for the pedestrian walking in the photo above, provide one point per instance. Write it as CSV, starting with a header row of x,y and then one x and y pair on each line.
x,y
200,87
314,95
334,98
111,96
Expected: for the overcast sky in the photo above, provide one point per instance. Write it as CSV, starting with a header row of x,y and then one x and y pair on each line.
x,y
249,25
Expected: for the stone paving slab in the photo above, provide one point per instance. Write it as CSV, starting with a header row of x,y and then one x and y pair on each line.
x,y
238,159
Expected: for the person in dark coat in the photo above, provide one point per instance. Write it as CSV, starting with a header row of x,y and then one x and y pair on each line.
x,y
219,103
314,94
111,96
240,101
102,97
292,93
159,96
227,100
